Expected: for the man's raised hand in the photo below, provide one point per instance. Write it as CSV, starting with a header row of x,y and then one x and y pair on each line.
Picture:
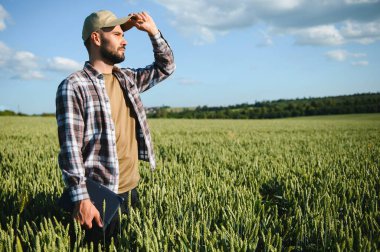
x,y
144,22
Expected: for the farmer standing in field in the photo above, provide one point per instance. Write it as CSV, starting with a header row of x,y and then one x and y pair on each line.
x,y
102,125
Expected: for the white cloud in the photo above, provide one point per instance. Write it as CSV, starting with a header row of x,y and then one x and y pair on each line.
x,y
284,5
202,21
338,55
313,22
27,66
319,35
343,55
331,35
3,16
266,39
364,33
360,63
65,65
19,64
360,1
29,75
24,65
24,60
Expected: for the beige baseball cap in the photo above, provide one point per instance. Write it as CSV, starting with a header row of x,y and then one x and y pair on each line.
x,y
101,19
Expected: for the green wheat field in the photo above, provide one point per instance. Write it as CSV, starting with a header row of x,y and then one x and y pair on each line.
x,y
300,184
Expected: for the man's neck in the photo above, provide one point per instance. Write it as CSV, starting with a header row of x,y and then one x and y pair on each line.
x,y
101,66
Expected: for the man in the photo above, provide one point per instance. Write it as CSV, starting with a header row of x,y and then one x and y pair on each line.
x,y
102,125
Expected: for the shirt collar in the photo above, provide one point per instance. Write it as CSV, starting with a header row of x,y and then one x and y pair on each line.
x,y
93,72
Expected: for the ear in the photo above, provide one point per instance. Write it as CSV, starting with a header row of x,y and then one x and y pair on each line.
x,y
95,37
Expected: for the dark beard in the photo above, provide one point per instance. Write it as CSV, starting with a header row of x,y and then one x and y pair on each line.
x,y
111,57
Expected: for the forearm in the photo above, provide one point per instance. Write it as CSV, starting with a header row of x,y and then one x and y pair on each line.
x,y
163,54
163,64
162,67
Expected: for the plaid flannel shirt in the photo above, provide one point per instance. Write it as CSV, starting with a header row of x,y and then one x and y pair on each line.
x,y
86,131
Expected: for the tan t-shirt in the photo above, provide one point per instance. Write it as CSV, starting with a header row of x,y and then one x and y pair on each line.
x,y
124,119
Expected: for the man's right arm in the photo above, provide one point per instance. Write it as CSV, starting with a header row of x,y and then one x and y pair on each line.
x,y
69,115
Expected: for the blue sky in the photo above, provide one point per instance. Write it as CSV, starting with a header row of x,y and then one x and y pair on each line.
x,y
227,52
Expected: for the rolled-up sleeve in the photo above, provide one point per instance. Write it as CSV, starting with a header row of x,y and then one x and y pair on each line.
x,y
69,115
162,67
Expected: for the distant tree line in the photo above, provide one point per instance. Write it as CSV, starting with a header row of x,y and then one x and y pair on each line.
x,y
347,104
8,112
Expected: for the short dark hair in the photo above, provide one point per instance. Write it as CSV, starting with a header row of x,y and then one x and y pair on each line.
x,y
87,44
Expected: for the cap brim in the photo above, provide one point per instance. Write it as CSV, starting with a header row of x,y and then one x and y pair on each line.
x,y
120,21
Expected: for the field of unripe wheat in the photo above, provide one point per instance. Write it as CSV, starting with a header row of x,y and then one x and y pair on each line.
x,y
301,184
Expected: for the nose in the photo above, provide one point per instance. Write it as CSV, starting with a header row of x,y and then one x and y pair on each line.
x,y
124,42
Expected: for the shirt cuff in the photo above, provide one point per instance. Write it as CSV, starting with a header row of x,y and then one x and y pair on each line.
x,y
156,36
79,192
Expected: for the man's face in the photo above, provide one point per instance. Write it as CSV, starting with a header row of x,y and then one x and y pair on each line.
x,y
113,44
